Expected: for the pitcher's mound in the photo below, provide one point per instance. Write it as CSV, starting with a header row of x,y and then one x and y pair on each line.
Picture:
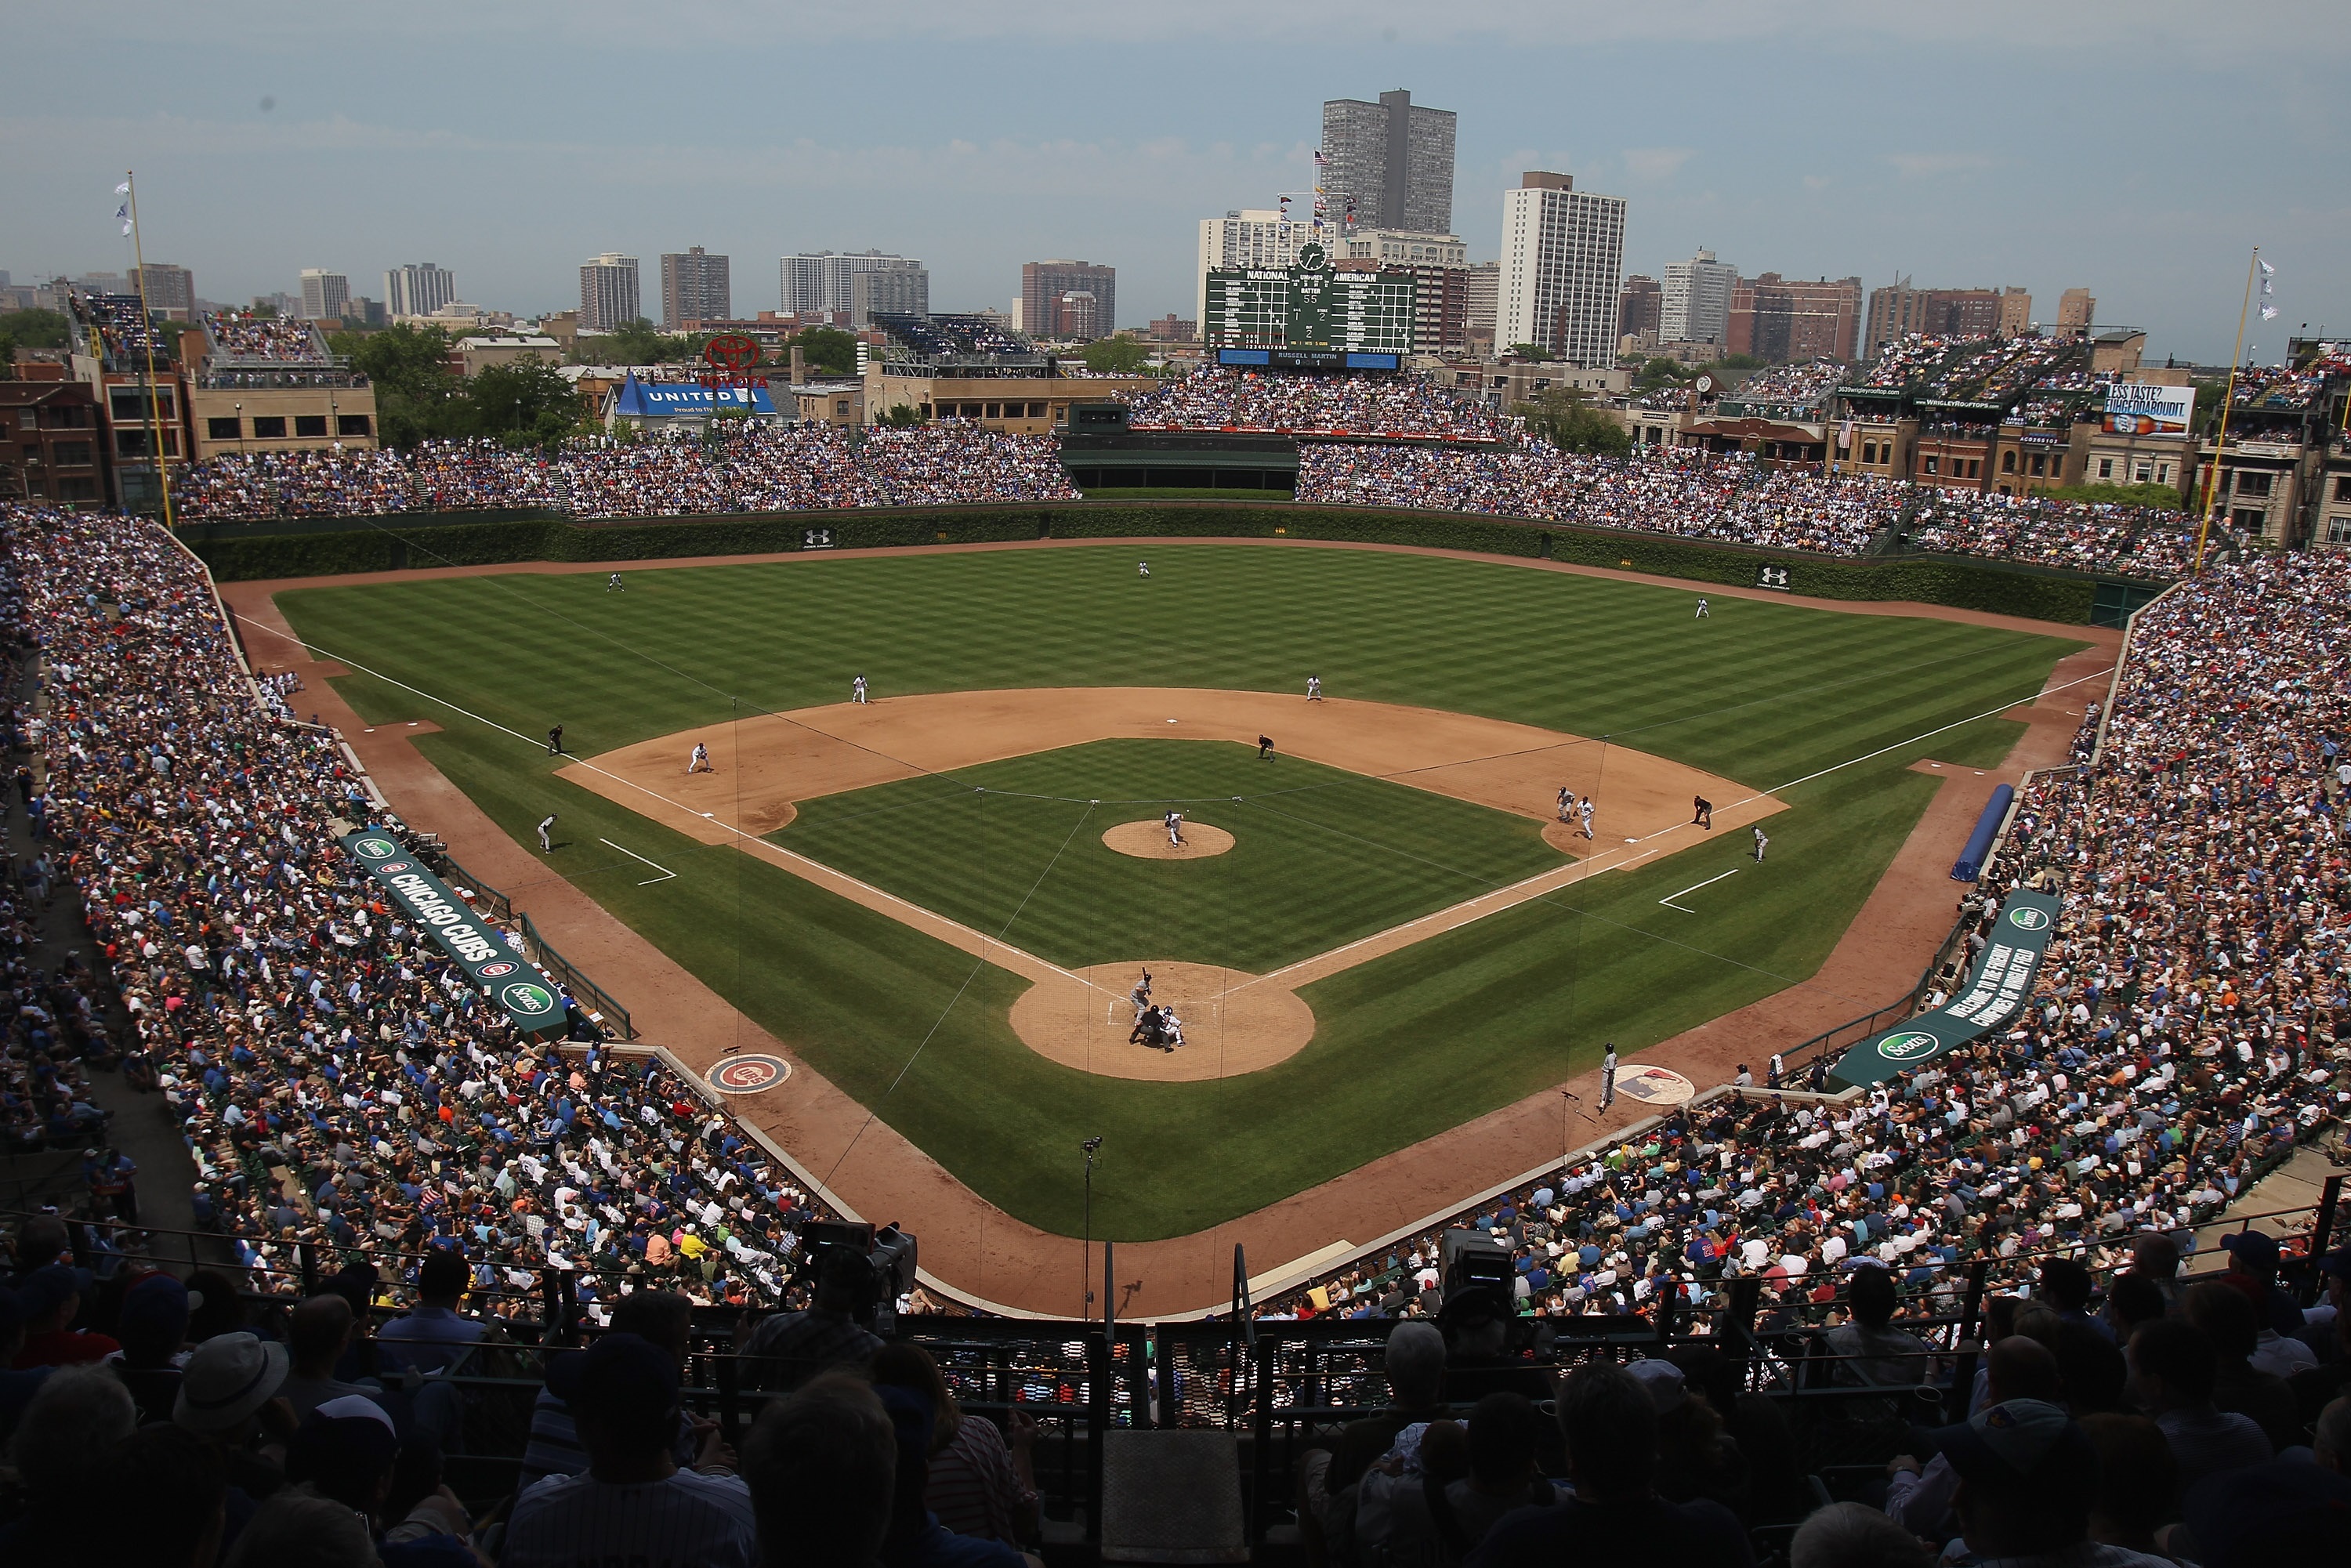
x,y
1148,841
1233,1021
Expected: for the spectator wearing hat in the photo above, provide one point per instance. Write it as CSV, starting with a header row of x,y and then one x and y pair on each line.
x,y
49,1298
226,1390
153,1328
633,1501
2028,1480
2173,1370
2254,1269
821,1467
1920,1496
662,1318
1615,1515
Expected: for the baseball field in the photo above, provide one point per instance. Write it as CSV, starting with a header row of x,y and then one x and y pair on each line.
x,y
938,902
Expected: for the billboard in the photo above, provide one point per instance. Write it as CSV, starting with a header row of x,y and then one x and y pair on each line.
x,y
504,976
1996,991
2133,409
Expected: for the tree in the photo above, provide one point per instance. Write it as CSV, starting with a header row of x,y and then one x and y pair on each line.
x,y
1563,418
637,342
34,330
527,404
415,390
828,350
1530,352
900,416
2162,495
1115,356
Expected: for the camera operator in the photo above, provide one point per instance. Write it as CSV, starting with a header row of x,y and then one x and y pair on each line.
x,y
831,1333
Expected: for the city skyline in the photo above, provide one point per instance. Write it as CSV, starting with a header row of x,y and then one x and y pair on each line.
x,y
1813,143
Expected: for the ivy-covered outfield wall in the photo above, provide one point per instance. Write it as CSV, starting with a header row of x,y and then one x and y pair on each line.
x,y
327,547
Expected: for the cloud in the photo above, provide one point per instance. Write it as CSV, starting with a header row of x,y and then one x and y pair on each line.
x,y
1655,163
1925,165
1817,181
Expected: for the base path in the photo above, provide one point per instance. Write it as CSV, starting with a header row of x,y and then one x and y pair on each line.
x,y
979,1252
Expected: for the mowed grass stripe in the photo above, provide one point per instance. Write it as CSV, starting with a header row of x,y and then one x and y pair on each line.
x,y
1407,1045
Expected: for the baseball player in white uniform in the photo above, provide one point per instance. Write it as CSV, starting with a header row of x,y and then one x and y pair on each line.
x,y
700,761
1703,612
1143,569
857,690
546,844
1174,828
1141,995
1584,811
1566,804
1315,688
614,584
1761,845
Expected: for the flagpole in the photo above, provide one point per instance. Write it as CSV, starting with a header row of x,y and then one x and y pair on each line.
x,y
2220,440
154,405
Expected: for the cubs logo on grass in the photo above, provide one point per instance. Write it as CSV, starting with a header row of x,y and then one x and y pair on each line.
x,y
1656,1086
1908,1047
749,1074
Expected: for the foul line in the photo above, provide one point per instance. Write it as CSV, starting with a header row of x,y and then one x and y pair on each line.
x,y
666,874
1668,900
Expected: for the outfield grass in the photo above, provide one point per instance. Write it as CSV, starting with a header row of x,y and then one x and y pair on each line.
x,y
1407,1045
1015,848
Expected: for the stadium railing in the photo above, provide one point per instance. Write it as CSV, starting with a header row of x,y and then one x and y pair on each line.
x,y
601,1008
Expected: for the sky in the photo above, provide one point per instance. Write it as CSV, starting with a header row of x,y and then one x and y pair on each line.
x,y
2138,150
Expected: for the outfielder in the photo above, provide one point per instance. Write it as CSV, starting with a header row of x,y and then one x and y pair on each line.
x,y
1703,612
546,844
857,690
1175,820
1761,843
614,585
1143,569
700,761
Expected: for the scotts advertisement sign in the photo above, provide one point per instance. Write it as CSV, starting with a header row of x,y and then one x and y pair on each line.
x,y
1992,998
513,985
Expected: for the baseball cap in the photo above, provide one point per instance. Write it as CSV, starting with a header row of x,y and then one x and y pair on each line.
x,y
2338,1263
2017,1441
624,1376
46,1289
1662,1381
2252,1248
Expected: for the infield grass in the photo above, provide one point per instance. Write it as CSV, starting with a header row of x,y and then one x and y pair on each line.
x,y
1407,1045
1320,857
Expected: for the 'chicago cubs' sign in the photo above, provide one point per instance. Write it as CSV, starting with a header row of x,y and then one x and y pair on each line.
x,y
749,1074
459,932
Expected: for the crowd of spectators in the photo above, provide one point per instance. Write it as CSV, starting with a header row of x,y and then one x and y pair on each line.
x,y
2086,536
122,334
339,1083
2185,1034
1788,391
1661,490
955,336
1217,397
757,470
242,335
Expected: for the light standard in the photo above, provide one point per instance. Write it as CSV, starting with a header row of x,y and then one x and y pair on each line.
x,y
1086,1266
240,428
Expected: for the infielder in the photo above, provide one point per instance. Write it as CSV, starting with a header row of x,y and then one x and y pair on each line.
x,y
1566,804
1701,811
1761,843
1584,811
546,844
857,690
1703,612
1175,829
700,761
1264,748
614,585
1315,688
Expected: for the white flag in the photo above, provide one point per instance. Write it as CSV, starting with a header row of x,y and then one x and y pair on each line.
x,y
124,188
2267,287
2267,270
2268,312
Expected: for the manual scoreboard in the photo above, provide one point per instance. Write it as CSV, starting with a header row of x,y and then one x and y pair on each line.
x,y
1311,307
